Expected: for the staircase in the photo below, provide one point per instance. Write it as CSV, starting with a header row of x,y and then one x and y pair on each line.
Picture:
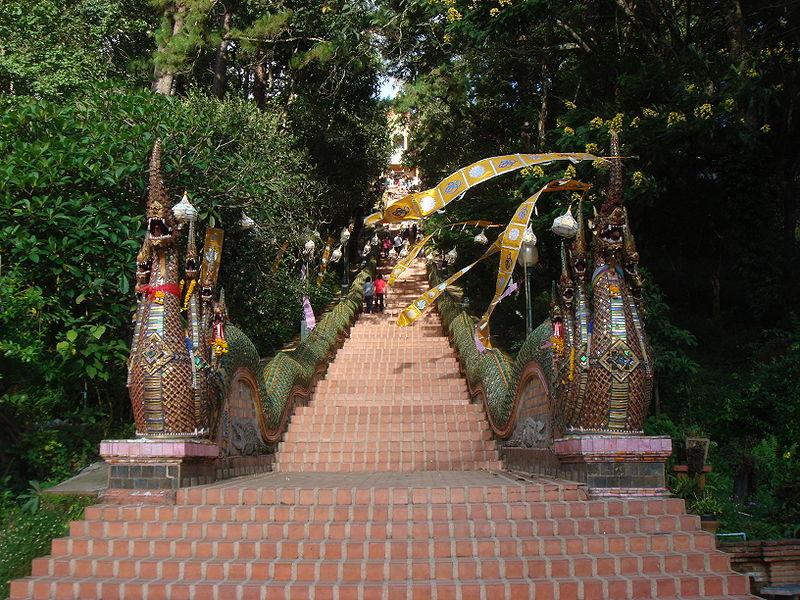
x,y
393,400
388,487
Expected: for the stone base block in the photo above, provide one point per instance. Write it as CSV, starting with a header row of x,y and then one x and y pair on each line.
x,y
615,465
143,464
159,465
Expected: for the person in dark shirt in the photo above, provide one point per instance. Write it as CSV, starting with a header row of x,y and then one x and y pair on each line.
x,y
369,294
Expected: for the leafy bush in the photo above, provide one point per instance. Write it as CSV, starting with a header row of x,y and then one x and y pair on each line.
x,y
26,534
72,186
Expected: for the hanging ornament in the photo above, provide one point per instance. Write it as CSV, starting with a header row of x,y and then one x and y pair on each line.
x,y
375,240
481,239
246,222
309,247
404,252
565,225
367,249
336,255
529,237
184,211
450,257
345,235
392,253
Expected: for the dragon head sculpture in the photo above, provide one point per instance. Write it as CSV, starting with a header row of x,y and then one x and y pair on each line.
x,y
161,225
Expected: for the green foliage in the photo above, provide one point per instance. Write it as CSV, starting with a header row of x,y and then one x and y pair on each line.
x,y
73,180
26,533
51,48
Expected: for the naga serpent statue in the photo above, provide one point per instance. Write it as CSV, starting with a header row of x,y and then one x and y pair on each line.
x,y
602,366
190,373
172,387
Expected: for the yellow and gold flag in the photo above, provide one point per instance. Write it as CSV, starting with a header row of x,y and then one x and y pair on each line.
x,y
419,205
417,308
512,242
403,264
326,255
212,256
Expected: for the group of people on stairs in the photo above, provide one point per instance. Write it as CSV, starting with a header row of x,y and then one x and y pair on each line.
x,y
375,294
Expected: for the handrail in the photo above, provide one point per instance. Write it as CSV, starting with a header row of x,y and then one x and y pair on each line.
x,y
494,378
290,376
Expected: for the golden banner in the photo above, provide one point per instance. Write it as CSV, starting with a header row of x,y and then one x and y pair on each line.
x,y
512,242
419,205
326,255
404,263
417,308
212,256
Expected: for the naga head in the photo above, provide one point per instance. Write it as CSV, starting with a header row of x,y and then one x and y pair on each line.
x,y
143,262
161,225
579,253
631,263
609,223
190,265
556,314
565,285
207,290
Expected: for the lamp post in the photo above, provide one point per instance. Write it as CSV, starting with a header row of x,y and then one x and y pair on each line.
x,y
344,238
528,257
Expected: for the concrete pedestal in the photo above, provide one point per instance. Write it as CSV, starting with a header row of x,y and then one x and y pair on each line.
x,y
614,465
144,464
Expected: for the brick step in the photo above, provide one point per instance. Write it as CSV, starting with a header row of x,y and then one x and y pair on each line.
x,y
370,445
464,416
394,432
405,371
345,436
344,399
329,504
396,384
401,412
177,589
338,538
318,563
239,493
296,465
371,530
388,355
397,372
401,347
363,396
385,423
614,544
388,454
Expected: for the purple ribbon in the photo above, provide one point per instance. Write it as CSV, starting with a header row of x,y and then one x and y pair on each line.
x,y
512,287
311,321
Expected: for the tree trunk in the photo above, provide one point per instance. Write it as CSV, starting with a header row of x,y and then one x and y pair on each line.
x,y
163,79
260,84
221,63
736,29
544,106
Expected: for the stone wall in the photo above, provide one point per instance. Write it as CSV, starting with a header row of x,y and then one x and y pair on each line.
x,y
767,563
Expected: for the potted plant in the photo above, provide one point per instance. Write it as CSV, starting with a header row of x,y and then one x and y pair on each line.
x,y
709,508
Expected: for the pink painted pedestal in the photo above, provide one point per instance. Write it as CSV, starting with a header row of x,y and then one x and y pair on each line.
x,y
158,467
615,465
